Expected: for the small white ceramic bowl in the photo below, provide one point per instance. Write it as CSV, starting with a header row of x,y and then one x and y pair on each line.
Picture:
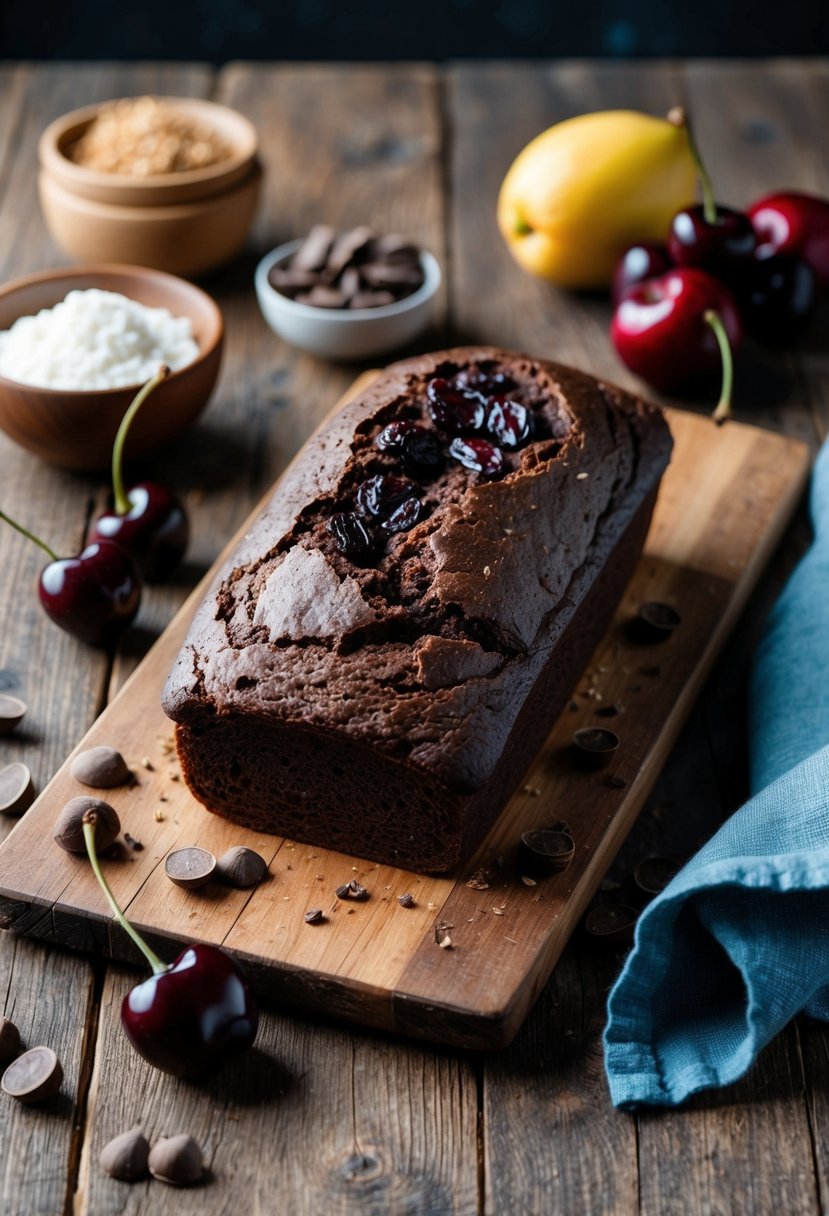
x,y
346,333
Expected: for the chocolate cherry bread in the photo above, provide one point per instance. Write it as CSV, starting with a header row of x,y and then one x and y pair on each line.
x,y
382,656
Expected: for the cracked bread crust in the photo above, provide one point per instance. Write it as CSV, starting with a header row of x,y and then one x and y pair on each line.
x,y
422,665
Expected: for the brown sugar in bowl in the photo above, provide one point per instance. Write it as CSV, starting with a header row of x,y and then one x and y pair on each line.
x,y
185,223
75,429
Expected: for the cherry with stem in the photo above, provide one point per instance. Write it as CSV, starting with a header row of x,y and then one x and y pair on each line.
x,y
191,1014
94,595
147,519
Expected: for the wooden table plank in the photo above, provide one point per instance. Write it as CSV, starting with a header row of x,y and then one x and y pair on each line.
x,y
51,995
313,1119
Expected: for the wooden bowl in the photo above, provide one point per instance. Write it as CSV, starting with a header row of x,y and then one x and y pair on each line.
x,y
75,429
185,223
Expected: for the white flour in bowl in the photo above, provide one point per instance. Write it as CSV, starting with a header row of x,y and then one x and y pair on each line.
x,y
95,340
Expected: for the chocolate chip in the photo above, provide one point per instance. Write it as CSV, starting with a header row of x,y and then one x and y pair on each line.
x,y
12,712
655,622
344,891
68,830
611,923
190,867
34,1076
652,874
241,867
357,890
545,851
100,767
17,791
125,1157
594,746
314,917
406,900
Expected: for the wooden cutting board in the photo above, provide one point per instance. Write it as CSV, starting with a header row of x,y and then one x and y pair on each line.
x,y
723,506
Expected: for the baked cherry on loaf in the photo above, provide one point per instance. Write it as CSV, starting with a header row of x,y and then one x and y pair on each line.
x,y
382,656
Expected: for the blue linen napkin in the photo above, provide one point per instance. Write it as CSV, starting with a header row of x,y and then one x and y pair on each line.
x,y
738,943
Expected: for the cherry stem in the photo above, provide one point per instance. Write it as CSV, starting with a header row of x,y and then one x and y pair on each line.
x,y
30,536
89,821
679,117
723,409
122,503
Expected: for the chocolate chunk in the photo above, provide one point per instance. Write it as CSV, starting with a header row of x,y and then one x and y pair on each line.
x,y
290,282
383,274
100,767
344,250
325,297
313,253
17,791
350,282
371,299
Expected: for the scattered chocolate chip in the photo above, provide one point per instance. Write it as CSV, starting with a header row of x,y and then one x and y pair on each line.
x,y
68,830
134,844
406,900
356,890
594,746
34,1076
545,851
17,791
611,923
655,622
609,711
125,1157
652,874
101,767
241,867
12,712
615,781
177,1160
9,1040
190,867
344,891
314,916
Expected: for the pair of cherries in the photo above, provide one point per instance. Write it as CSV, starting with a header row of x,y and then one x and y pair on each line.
x,y
682,307
95,594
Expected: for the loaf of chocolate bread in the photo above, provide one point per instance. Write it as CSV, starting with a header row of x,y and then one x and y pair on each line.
x,y
379,661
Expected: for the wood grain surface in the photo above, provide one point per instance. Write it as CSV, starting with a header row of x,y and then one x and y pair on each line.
x,y
366,1122
723,505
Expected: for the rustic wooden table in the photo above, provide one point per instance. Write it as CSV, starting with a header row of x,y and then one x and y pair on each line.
x,y
323,1117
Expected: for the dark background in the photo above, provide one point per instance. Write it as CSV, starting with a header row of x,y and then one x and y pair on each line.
x,y
219,30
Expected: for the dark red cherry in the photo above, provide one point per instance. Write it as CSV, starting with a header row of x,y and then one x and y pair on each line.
x,y
420,449
380,495
147,520
720,243
404,517
794,223
352,537
188,1018
777,297
636,265
154,530
190,1015
452,410
93,596
479,455
486,384
509,422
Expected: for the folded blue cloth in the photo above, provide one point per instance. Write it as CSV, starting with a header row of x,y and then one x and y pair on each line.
x,y
738,943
